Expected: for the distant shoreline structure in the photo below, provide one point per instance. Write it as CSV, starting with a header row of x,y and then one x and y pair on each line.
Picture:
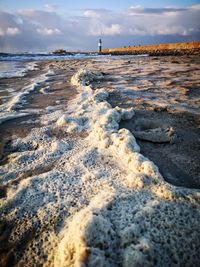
x,y
185,48
65,52
153,50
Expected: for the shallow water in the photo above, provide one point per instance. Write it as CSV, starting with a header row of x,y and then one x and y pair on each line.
x,y
44,57
9,69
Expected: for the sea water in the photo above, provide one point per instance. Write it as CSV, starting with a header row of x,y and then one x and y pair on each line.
x,y
11,69
16,66
14,85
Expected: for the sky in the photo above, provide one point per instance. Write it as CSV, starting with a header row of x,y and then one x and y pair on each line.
x,y
46,25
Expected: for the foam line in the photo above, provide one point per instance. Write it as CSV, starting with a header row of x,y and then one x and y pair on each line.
x,y
7,110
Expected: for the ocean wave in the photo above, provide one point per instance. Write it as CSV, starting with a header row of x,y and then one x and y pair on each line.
x,y
16,70
43,57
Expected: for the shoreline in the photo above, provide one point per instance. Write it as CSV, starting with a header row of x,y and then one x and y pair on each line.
x,y
77,189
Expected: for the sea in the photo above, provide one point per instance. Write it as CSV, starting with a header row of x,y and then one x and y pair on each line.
x,y
16,65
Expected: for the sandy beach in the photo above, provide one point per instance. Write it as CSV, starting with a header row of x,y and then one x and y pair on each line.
x,y
100,163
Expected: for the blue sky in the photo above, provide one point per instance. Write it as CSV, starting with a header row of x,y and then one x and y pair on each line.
x,y
74,6
44,25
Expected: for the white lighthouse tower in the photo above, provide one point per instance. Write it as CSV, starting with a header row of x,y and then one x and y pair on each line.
x,y
100,46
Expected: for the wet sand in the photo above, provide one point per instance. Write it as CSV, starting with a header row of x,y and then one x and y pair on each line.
x,y
56,92
66,200
165,97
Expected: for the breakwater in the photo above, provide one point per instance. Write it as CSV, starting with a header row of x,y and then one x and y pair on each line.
x,y
160,49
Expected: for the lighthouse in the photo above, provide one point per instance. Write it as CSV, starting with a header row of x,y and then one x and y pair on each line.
x,y
99,46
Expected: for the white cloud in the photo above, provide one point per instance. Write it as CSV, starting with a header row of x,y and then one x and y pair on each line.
x,y
9,31
99,29
197,7
48,31
136,7
12,31
174,30
91,14
139,10
114,29
50,8
27,12
43,30
1,32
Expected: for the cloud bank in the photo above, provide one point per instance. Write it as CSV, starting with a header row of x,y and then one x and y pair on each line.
x,y
45,30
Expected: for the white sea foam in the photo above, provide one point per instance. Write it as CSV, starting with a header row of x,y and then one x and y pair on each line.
x,y
12,115
96,200
96,116
19,99
8,109
31,66
16,69
102,123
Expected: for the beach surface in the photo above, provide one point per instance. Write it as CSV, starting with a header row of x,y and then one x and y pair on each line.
x,y
100,163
